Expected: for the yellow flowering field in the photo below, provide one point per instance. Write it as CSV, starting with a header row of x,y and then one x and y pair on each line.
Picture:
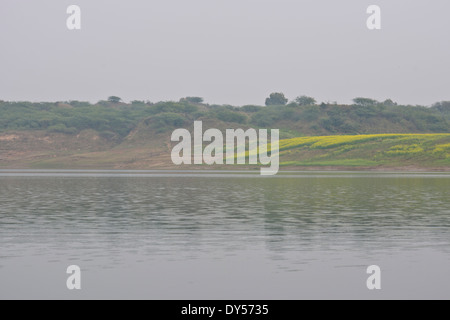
x,y
333,141
364,150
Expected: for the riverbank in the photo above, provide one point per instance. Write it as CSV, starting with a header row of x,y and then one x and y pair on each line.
x,y
89,151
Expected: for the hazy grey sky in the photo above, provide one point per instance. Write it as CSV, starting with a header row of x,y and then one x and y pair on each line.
x,y
227,51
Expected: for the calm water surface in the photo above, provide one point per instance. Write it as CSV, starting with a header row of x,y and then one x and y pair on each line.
x,y
190,235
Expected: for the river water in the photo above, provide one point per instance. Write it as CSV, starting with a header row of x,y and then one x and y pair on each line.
x,y
217,235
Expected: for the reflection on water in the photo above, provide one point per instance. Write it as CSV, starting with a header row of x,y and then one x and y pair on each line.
x,y
283,226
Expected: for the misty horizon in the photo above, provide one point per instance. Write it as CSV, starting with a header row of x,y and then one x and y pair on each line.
x,y
291,101
228,52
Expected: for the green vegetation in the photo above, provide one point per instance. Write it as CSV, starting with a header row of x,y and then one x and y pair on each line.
x,y
364,102
432,150
114,134
114,99
105,116
305,101
197,100
300,118
275,99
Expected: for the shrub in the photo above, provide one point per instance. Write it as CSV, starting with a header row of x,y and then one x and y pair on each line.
x,y
276,99
168,119
61,128
251,108
305,101
230,116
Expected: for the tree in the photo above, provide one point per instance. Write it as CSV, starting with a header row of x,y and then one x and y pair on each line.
x,y
196,100
442,106
76,103
365,102
276,99
389,103
305,101
114,99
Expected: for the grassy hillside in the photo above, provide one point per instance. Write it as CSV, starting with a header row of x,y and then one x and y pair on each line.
x,y
383,150
110,135
145,150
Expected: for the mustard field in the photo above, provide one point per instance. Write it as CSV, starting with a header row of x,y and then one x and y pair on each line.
x,y
422,150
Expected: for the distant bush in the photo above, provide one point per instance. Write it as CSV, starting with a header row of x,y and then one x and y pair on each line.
x,y
365,102
75,103
196,100
174,107
199,114
443,106
276,99
389,103
61,128
305,101
266,117
189,108
310,113
168,119
114,99
251,108
226,115
103,103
